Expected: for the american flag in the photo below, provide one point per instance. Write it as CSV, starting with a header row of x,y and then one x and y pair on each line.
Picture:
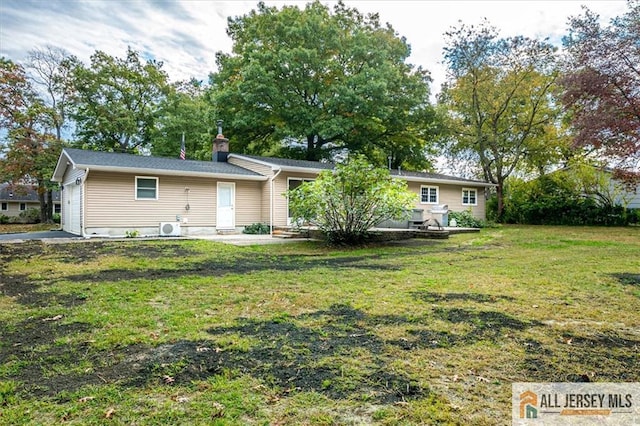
x,y
183,152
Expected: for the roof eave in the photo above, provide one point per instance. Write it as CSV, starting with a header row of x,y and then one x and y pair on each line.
x,y
58,172
284,168
444,181
302,169
164,172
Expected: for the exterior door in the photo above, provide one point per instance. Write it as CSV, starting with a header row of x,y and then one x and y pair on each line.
x,y
71,208
225,215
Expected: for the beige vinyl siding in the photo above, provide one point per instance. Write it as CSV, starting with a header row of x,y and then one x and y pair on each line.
x,y
264,188
450,195
280,200
111,201
13,207
251,165
265,216
249,200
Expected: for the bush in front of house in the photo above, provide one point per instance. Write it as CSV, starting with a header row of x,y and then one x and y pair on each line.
x,y
465,219
56,218
345,203
4,219
28,216
256,228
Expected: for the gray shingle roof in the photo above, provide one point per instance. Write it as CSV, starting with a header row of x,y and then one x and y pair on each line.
x,y
130,161
285,162
435,176
22,193
288,162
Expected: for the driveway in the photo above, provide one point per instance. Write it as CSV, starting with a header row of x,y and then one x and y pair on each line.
x,y
43,235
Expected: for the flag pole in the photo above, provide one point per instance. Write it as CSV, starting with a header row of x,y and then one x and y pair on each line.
x,y
183,151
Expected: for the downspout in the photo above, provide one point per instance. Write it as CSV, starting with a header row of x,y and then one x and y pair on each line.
x,y
271,202
84,205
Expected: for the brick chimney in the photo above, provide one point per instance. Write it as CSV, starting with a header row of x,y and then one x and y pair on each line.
x,y
220,146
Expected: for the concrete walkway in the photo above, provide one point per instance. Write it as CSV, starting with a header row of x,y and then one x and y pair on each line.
x,y
247,239
41,235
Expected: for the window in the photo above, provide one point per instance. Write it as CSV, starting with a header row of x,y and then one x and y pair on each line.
x,y
293,183
429,194
23,206
5,206
469,197
146,188
57,208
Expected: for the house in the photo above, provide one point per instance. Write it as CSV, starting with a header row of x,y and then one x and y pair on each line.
x,y
110,194
15,199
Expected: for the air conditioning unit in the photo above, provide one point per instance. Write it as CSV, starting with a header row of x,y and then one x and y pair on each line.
x,y
170,229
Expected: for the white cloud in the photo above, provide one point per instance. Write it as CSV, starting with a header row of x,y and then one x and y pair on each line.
x,y
186,34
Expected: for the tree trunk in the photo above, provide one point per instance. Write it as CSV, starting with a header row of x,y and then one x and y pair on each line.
x,y
43,205
500,195
49,205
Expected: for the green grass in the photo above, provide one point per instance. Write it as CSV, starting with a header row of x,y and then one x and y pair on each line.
x,y
196,332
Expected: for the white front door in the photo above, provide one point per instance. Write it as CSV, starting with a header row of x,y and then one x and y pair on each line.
x,y
225,216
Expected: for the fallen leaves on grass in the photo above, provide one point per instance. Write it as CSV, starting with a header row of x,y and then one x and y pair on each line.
x,y
218,410
56,318
109,413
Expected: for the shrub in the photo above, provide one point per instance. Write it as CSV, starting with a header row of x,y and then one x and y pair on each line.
x,y
465,219
29,216
256,228
554,200
4,219
56,218
345,203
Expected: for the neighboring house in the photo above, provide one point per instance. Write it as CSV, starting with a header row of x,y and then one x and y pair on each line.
x,y
110,194
15,199
600,184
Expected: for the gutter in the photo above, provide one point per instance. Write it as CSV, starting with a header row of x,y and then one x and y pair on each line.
x,y
271,202
163,172
84,204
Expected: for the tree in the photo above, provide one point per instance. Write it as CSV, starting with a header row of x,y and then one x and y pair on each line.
x,y
116,102
345,203
318,82
29,153
501,112
602,84
185,110
51,70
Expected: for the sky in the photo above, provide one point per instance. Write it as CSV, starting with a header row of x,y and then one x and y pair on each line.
x,y
186,34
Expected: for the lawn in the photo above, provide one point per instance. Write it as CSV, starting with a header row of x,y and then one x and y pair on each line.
x,y
14,228
420,332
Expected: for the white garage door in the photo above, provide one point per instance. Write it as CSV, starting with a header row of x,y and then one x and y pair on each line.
x,y
72,194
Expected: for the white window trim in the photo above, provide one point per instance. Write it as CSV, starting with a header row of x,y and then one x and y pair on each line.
x,y
476,197
437,188
4,206
135,193
20,207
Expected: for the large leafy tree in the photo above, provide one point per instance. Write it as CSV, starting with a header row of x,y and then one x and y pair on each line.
x,y
117,101
29,152
498,98
186,110
602,84
313,79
